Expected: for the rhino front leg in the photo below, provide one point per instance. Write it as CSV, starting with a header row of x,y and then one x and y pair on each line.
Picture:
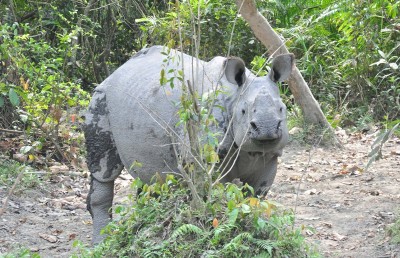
x,y
265,177
99,204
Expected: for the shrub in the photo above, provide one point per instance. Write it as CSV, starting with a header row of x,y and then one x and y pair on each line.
x,y
160,222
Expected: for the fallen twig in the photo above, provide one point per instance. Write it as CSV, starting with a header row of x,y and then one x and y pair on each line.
x,y
5,203
10,131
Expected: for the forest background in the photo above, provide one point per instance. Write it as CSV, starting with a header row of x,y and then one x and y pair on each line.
x,y
53,53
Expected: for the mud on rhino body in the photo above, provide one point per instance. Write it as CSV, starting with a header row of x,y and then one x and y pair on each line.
x,y
131,114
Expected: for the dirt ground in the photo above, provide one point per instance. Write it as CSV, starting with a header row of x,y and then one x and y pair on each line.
x,y
348,209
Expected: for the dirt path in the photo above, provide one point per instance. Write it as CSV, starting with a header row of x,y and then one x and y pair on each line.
x,y
348,210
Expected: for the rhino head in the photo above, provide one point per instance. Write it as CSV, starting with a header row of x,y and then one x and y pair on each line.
x,y
256,109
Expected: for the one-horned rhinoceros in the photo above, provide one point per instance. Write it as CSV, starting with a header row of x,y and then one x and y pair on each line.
x,y
131,114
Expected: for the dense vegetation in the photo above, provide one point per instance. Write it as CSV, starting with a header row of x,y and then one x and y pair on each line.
x,y
348,53
159,222
53,53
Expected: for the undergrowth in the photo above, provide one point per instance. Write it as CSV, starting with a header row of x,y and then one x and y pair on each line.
x,y
394,230
21,253
159,222
9,171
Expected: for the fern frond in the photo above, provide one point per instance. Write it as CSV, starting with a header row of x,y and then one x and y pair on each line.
x,y
224,229
236,244
264,244
186,229
263,255
241,237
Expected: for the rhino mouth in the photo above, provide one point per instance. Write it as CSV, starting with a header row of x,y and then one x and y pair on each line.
x,y
265,141
266,137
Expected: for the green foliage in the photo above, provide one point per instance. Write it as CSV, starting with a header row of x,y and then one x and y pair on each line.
x,y
21,253
36,86
9,171
394,231
96,36
159,222
349,54
196,26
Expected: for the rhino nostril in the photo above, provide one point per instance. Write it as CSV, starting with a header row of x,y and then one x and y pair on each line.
x,y
254,126
279,124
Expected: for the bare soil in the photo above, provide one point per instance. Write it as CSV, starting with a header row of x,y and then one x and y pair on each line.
x,y
346,209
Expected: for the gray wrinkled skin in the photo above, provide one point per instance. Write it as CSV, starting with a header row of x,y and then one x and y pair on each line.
x,y
131,117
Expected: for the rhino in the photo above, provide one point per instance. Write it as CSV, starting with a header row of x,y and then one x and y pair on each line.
x,y
132,117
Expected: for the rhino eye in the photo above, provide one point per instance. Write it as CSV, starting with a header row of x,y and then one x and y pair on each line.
x,y
243,112
281,109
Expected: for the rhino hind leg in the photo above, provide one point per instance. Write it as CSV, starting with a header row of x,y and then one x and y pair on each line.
x,y
104,164
100,201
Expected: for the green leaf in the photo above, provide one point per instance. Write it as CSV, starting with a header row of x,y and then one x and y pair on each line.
x,y
378,140
23,117
14,99
186,229
388,134
371,160
163,80
1,101
375,151
231,205
233,215
142,20
25,149
245,208
137,183
261,223
119,209
394,66
381,54
136,164
76,243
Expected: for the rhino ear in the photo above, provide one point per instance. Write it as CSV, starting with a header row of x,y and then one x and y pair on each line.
x,y
281,67
235,70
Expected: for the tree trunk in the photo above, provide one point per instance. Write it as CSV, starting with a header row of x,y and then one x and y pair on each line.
x,y
263,31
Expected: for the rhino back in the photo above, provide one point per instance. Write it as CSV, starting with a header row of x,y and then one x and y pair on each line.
x,y
141,112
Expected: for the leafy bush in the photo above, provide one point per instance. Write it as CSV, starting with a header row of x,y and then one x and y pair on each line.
x,y
160,222
46,100
349,54
21,253
9,171
196,26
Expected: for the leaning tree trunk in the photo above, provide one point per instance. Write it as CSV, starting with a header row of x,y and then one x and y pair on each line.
x,y
263,31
